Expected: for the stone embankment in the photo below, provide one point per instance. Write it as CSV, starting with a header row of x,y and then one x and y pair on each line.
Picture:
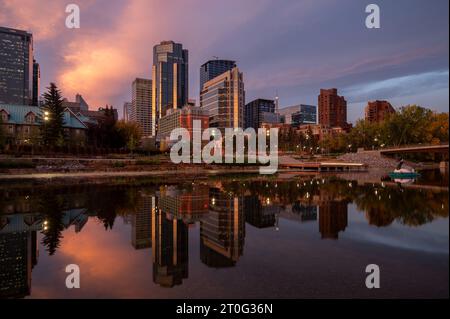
x,y
373,159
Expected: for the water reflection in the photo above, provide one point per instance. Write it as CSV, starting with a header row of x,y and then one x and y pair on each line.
x,y
161,216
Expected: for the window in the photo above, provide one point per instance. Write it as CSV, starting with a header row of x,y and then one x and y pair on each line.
x,y
30,118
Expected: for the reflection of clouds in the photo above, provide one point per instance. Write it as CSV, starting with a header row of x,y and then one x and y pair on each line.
x,y
431,237
104,258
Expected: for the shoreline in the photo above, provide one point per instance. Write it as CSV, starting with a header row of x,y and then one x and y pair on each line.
x,y
174,176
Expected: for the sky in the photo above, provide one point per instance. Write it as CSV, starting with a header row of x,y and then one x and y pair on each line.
x,y
290,47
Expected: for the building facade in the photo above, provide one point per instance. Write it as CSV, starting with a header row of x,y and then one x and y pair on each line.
x,y
377,111
181,118
214,68
319,132
307,114
127,106
170,74
36,83
260,111
80,105
141,106
21,124
16,67
332,108
224,99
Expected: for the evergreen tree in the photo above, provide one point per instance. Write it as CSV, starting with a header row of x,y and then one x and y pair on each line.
x,y
52,117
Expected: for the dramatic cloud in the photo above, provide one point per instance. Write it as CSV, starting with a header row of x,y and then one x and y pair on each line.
x,y
293,47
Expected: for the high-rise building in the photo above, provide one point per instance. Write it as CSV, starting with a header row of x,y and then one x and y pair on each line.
x,y
213,68
141,109
127,106
36,83
224,98
332,108
170,73
16,67
377,111
306,115
260,111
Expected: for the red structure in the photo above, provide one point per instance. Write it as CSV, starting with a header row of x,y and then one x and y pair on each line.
x,y
332,109
377,111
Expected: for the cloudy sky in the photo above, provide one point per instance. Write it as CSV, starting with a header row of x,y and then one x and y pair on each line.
x,y
293,47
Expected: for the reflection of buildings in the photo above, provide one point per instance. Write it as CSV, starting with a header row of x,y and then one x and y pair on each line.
x,y
258,214
189,205
306,212
18,254
141,223
18,251
169,249
19,248
332,218
222,231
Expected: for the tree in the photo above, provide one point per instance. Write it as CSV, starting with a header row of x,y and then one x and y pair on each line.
x,y
130,134
52,117
438,128
408,126
104,133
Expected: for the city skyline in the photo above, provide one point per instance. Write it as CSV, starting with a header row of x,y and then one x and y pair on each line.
x,y
404,66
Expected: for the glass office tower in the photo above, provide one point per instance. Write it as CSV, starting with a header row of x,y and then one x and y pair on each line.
x,y
223,97
213,68
170,79
306,115
16,67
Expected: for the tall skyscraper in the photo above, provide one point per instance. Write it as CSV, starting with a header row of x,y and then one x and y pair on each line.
x,y
127,106
170,73
36,83
260,111
224,98
16,67
213,68
332,108
141,109
378,111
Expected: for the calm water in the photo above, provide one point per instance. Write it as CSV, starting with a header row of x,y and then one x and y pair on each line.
x,y
302,238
